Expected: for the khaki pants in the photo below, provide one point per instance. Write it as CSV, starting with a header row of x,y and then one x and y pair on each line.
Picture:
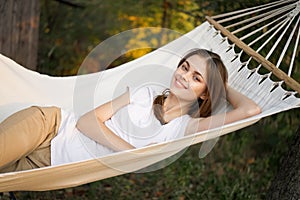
x,y
25,138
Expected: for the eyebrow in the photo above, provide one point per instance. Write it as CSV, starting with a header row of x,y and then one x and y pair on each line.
x,y
198,73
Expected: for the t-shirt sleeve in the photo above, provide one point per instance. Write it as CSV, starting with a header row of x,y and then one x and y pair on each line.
x,y
140,95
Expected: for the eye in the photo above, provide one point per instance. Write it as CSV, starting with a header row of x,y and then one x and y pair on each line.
x,y
197,78
184,67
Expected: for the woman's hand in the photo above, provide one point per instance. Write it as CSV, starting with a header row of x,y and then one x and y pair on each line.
x,y
243,107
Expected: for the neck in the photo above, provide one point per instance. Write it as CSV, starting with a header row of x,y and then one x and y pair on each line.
x,y
173,107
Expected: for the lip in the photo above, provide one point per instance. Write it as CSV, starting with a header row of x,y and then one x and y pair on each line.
x,y
179,84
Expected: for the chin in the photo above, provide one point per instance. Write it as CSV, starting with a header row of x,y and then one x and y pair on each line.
x,y
182,94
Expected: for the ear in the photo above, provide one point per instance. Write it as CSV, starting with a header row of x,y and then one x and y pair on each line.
x,y
204,96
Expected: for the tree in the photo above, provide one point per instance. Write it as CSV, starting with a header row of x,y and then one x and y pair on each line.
x,y
19,22
286,184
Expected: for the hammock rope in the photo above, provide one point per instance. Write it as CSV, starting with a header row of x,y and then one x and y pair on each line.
x,y
247,11
294,54
262,18
281,24
267,64
286,16
269,94
287,45
285,13
257,22
279,39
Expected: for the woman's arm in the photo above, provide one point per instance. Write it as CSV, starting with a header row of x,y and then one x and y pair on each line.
x,y
243,107
92,124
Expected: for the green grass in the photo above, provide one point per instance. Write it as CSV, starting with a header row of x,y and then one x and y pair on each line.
x,y
241,166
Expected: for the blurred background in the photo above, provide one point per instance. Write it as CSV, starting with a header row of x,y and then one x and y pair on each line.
x,y
242,164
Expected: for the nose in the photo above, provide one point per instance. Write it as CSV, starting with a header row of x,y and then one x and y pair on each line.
x,y
185,76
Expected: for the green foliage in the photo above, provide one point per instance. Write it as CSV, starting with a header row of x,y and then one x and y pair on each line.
x,y
68,34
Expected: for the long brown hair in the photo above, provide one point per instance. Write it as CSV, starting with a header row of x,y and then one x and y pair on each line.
x,y
215,92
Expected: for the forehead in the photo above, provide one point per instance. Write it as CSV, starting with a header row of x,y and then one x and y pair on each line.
x,y
197,63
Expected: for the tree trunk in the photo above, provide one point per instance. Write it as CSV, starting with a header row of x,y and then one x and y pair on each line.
x,y
165,12
286,184
19,30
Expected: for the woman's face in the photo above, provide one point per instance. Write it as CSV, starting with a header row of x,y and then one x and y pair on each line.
x,y
189,80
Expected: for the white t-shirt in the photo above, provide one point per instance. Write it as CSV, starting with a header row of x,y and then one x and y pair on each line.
x,y
70,145
135,123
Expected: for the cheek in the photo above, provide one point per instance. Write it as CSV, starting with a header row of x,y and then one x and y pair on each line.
x,y
178,72
198,88
194,92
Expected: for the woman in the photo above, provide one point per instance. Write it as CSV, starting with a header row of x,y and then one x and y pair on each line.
x,y
137,118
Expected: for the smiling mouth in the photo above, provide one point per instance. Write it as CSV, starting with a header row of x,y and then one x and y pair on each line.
x,y
180,84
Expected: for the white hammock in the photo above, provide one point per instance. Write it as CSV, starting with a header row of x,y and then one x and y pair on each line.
x,y
21,87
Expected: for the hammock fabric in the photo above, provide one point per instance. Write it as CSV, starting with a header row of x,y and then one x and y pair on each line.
x,y
21,88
